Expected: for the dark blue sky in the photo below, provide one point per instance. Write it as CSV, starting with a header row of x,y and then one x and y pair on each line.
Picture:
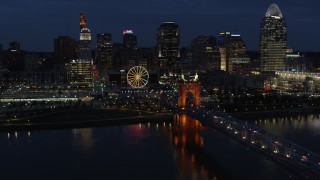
x,y
35,23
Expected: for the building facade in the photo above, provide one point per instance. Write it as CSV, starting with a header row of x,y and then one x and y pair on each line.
x,y
104,51
233,52
273,40
205,54
168,49
65,49
129,39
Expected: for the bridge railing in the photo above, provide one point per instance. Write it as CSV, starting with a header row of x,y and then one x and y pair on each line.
x,y
293,156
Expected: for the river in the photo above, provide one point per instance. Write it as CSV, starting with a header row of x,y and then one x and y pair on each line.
x,y
145,151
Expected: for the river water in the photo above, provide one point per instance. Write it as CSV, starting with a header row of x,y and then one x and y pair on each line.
x,y
146,151
303,130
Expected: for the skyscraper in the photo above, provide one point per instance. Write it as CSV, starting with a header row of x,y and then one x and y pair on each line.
x,y
205,53
168,52
129,39
83,21
85,45
273,40
65,49
104,51
79,71
233,52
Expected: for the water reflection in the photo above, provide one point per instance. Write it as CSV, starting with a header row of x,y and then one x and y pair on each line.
x,y
179,150
83,138
303,130
190,155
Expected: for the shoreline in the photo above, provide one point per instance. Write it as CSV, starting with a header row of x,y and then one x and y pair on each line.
x,y
33,123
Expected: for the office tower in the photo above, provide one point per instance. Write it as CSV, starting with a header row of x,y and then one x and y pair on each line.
x,y
65,49
104,51
168,50
129,39
83,21
85,45
273,40
14,57
233,52
79,71
205,53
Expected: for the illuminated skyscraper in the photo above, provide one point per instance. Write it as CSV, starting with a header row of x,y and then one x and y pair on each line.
x,y
104,51
129,39
273,40
85,45
83,21
168,49
233,52
79,71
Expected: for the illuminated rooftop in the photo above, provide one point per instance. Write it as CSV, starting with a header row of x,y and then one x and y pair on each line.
x,y
85,30
274,11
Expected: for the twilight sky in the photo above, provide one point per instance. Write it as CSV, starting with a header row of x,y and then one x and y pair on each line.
x,y
35,23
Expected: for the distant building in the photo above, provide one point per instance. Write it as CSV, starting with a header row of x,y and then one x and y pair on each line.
x,y
65,49
31,62
273,40
117,61
14,59
83,21
79,72
295,62
104,51
85,45
129,39
168,49
233,52
205,53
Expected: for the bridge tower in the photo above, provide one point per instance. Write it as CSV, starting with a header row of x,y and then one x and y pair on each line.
x,y
186,86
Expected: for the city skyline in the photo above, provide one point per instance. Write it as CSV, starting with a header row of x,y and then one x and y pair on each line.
x,y
27,21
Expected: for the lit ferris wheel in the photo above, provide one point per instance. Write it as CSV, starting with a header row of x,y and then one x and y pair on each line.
x,y
138,77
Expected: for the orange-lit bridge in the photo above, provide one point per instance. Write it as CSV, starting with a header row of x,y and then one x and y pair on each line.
x,y
298,160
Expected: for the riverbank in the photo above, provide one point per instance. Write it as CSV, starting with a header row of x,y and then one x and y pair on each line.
x,y
84,118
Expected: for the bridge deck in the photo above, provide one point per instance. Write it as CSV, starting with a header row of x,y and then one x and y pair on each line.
x,y
303,162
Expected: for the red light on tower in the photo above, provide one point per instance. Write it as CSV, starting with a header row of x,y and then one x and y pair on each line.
x,y
83,21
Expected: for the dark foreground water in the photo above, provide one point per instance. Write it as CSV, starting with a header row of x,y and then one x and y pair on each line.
x,y
141,151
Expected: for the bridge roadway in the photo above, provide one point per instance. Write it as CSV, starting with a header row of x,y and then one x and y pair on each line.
x,y
298,160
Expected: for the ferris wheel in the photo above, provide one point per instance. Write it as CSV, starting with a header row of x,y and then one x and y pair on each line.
x,y
138,77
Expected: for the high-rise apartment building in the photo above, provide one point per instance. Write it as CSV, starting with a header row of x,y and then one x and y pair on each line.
x,y
129,39
104,51
273,40
168,49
